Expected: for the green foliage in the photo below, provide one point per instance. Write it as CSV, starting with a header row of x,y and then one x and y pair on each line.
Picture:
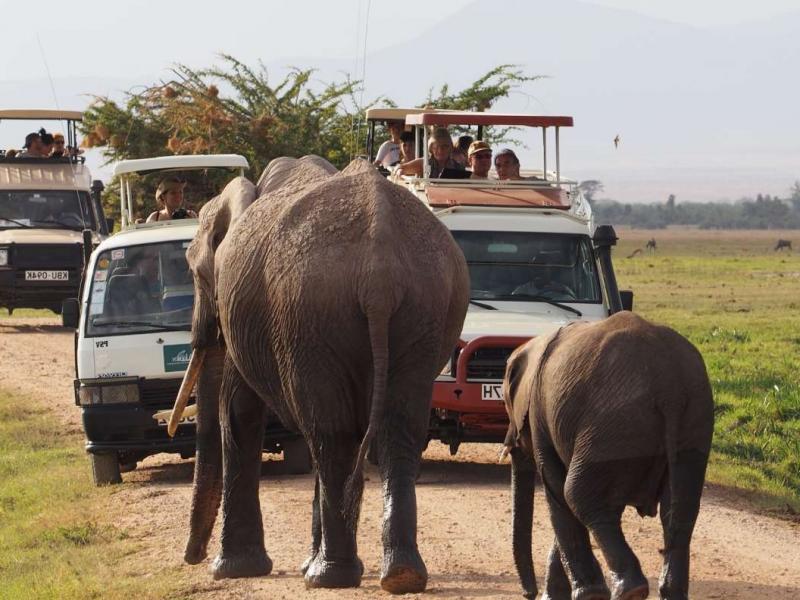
x,y
481,95
233,108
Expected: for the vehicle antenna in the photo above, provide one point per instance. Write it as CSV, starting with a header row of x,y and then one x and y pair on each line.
x,y
362,52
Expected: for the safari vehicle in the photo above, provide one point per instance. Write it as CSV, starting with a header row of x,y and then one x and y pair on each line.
x,y
133,334
537,262
49,211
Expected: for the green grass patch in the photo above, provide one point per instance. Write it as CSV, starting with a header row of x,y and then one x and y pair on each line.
x,y
54,542
740,310
26,313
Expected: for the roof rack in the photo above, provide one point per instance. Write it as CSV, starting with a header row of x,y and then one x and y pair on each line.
x,y
420,121
182,162
46,114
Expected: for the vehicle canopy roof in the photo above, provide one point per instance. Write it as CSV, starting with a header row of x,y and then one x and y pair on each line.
x,y
185,162
40,114
485,118
169,231
43,175
181,163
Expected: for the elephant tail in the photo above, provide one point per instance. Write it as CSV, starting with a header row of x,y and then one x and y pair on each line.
x,y
379,343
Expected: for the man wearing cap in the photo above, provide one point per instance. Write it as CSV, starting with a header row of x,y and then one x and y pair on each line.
x,y
34,148
479,156
169,197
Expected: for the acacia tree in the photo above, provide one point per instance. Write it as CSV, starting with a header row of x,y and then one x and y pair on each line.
x,y
234,109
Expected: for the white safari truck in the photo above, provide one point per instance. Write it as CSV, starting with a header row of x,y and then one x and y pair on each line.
x,y
50,212
536,259
133,333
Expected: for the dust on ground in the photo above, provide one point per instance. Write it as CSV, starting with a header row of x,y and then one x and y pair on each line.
x,y
464,512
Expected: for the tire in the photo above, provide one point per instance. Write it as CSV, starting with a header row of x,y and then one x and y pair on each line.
x,y
296,457
105,469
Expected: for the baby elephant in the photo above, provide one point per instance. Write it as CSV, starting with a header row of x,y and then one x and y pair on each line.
x,y
615,413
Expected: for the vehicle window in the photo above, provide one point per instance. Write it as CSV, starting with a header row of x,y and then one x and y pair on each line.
x,y
141,289
49,209
520,266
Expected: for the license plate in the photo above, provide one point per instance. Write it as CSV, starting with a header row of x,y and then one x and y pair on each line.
x,y
46,275
491,391
183,421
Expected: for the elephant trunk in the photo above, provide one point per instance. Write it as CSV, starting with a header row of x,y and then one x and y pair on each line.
x,y
523,476
189,379
207,492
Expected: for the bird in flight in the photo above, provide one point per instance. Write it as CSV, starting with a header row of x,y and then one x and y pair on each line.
x,y
616,141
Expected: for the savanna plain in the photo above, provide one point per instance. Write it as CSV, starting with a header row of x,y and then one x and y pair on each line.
x,y
729,292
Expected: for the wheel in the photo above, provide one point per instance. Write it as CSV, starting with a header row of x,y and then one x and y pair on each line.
x,y
105,469
296,457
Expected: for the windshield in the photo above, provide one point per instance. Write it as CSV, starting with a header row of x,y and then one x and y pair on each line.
x,y
141,289
530,267
53,209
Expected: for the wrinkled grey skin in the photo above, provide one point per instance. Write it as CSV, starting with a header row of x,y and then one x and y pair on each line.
x,y
339,297
616,413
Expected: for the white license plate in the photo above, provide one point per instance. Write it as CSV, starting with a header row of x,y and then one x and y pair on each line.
x,y
183,421
46,275
491,391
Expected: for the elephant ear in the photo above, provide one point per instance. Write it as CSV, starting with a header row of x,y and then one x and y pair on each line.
x,y
521,384
215,220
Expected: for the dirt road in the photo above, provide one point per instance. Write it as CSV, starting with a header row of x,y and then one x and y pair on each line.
x,y
464,512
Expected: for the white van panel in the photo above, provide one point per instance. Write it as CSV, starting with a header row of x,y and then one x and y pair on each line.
x,y
162,354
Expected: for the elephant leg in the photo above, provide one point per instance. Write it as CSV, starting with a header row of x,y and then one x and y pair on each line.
x,y
402,439
316,529
242,423
679,509
556,582
585,494
336,563
579,562
207,491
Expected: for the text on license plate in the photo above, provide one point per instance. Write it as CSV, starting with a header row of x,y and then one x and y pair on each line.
x,y
183,421
491,391
46,275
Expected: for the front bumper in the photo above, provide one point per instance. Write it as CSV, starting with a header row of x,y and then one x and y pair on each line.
x,y
459,411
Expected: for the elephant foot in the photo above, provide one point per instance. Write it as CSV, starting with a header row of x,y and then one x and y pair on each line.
x,y
321,573
631,587
597,591
249,562
404,574
307,562
667,593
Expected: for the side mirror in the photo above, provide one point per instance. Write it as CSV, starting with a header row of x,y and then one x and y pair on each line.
x,y
627,299
70,311
110,225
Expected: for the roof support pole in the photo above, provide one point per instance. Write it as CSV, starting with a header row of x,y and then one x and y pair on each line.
x,y
544,151
558,159
370,141
425,163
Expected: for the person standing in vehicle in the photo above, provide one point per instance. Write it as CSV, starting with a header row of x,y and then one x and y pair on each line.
x,y
169,197
33,147
480,159
440,160
506,164
389,152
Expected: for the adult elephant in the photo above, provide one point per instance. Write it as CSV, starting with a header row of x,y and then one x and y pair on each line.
x,y
615,413
338,298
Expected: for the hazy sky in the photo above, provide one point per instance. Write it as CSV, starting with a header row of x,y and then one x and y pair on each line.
x,y
131,39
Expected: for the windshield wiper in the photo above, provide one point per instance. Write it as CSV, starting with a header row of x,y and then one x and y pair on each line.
x,y
17,222
109,323
62,224
482,305
537,298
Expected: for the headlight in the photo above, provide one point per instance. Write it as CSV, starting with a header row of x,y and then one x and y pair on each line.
x,y
108,394
3,257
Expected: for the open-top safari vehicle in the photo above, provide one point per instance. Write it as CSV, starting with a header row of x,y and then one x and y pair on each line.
x,y
536,258
133,332
49,212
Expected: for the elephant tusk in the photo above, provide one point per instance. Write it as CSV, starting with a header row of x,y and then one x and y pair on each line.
x,y
163,415
503,454
189,379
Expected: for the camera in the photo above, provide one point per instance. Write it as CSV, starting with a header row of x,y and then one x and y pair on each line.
x,y
180,213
